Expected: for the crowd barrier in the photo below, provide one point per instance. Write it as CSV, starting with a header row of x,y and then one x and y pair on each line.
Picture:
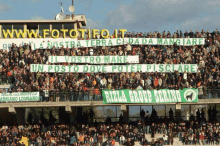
x,y
55,96
212,93
77,96
5,80
72,96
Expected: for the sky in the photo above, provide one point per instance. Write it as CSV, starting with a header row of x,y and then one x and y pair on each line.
x,y
133,15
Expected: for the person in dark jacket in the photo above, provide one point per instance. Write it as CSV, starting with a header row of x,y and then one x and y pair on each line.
x,y
186,34
191,34
128,142
211,138
170,138
152,143
142,114
152,130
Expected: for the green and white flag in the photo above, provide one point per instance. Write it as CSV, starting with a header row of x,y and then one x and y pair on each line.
x,y
94,59
189,68
19,96
117,41
150,96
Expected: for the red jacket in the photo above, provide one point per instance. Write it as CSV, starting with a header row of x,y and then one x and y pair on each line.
x,y
201,137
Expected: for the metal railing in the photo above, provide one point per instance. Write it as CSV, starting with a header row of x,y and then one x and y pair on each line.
x,y
55,96
5,80
91,95
211,94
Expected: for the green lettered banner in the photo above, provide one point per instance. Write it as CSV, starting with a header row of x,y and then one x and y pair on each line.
x,y
150,96
117,41
94,59
6,44
19,96
190,68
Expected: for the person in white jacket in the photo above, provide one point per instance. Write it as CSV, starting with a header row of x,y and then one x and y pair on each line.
x,y
39,140
190,139
165,139
122,139
128,48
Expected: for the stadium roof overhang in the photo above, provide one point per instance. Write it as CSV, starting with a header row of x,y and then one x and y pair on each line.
x,y
77,18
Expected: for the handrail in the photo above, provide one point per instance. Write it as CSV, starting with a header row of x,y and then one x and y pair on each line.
x,y
90,95
5,80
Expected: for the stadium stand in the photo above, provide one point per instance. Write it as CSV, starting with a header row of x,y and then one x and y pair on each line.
x,y
152,130
15,68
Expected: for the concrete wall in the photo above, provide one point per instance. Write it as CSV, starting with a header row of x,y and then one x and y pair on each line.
x,y
95,103
6,117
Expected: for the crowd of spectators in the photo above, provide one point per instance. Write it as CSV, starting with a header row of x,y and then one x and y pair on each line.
x,y
177,34
144,132
15,63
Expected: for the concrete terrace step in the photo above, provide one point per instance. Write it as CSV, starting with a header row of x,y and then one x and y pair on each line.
x,y
137,143
156,136
89,103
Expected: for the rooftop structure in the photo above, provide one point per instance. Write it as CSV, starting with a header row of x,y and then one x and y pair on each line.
x,y
61,21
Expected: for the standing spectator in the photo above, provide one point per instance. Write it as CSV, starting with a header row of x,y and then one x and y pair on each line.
x,y
97,94
186,34
191,34
72,139
202,114
121,119
165,139
214,113
202,138
198,115
153,143
171,114
211,139
152,130
170,138
210,114
191,139
142,114
91,115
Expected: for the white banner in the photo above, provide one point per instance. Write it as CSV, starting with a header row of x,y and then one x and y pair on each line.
x,y
41,43
119,41
94,59
190,68
5,44
19,96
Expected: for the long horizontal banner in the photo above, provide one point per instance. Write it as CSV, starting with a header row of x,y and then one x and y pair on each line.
x,y
118,41
150,96
190,68
19,96
6,44
94,59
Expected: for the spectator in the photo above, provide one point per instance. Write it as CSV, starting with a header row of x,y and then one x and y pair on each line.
x,y
142,114
190,133
165,139
207,57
